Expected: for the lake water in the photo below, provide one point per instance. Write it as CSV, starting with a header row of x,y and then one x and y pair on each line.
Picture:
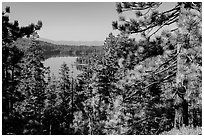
x,y
55,63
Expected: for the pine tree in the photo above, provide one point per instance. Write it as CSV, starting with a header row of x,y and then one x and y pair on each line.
x,y
11,70
189,35
32,86
52,113
67,96
149,21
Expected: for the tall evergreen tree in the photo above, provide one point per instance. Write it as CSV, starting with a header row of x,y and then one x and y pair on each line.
x,y
149,21
67,96
11,58
32,85
52,113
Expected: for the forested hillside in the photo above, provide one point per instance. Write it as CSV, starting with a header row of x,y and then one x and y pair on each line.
x,y
53,50
146,86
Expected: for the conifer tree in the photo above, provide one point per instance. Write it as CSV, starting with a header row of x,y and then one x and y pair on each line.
x,y
51,119
149,21
67,96
11,58
32,85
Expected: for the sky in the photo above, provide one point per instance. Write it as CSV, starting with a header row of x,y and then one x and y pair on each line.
x,y
69,21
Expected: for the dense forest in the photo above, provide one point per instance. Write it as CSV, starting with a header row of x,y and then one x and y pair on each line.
x,y
128,86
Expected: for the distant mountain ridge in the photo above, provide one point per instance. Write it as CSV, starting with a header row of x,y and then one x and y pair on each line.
x,y
50,49
76,43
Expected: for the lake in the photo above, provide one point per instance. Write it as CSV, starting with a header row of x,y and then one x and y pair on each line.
x,y
55,63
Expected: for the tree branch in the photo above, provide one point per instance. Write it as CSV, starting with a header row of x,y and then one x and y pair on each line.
x,y
156,82
170,66
165,63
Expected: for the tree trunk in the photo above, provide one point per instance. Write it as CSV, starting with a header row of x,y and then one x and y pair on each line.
x,y
181,105
50,130
72,86
185,112
178,120
181,112
195,120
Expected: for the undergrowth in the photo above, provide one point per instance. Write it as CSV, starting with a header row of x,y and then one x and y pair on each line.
x,y
184,131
